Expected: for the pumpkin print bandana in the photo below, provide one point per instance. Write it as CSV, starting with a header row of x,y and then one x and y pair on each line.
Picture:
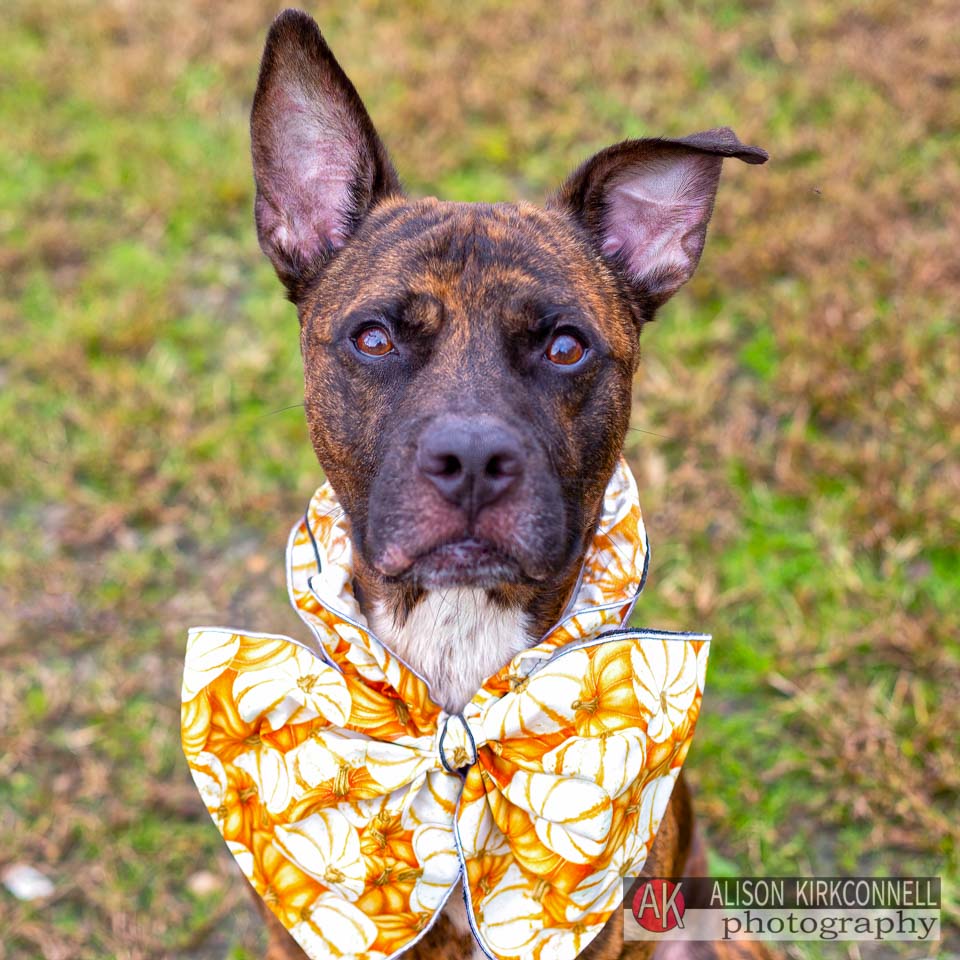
x,y
355,806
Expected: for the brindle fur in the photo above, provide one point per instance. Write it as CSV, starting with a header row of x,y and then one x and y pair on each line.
x,y
470,292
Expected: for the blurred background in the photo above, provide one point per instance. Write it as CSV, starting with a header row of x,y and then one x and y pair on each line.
x,y
797,420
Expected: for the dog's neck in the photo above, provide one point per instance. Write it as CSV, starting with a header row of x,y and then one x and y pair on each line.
x,y
457,638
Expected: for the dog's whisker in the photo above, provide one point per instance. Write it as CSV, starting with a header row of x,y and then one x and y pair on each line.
x,y
273,413
650,433
338,510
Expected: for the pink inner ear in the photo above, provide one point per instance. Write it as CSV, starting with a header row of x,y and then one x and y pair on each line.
x,y
313,162
656,215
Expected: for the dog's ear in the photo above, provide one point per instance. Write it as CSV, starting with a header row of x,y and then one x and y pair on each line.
x,y
646,205
318,163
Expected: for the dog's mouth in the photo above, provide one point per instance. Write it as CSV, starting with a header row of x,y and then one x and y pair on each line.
x,y
465,562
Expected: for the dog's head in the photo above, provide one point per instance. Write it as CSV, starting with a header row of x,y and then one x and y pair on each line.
x,y
468,366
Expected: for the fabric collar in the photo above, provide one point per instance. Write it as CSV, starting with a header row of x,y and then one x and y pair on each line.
x,y
354,804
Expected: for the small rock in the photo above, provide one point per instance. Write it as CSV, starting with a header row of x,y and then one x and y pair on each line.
x,y
80,738
26,882
203,882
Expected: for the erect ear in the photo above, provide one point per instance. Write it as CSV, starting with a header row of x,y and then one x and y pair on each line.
x,y
646,205
318,163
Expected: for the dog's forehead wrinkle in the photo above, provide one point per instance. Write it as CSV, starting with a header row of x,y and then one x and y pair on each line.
x,y
461,231
481,263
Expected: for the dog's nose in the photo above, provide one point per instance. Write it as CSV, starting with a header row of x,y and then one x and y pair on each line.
x,y
472,464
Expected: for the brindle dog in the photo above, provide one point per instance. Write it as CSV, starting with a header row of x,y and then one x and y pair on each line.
x,y
468,376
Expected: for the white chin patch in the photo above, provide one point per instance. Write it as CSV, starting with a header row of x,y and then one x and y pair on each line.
x,y
455,639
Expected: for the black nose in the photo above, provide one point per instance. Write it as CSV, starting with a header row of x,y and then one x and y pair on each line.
x,y
471,463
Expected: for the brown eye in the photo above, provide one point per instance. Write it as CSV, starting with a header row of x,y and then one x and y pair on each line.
x,y
565,350
374,342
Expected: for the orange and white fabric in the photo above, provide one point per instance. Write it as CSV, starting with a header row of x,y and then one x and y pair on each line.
x,y
355,805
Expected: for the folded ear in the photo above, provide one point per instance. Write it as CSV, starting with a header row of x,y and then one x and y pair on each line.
x,y
318,163
646,204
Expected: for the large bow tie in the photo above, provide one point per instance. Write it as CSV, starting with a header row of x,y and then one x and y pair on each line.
x,y
354,804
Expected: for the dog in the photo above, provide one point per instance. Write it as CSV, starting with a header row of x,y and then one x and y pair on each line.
x,y
468,372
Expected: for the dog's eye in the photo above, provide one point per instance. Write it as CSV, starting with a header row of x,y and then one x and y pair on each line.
x,y
374,342
564,349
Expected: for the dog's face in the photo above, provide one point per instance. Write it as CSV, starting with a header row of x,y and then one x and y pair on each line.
x,y
468,374
468,366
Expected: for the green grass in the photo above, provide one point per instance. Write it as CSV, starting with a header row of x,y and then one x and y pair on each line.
x,y
798,404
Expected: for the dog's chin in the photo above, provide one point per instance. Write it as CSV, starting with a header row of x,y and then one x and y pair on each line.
x,y
464,563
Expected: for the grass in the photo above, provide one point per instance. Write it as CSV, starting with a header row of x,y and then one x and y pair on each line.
x,y
798,402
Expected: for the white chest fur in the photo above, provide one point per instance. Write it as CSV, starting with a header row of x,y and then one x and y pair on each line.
x,y
455,639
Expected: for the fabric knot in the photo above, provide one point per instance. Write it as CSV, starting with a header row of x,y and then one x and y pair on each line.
x,y
455,744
